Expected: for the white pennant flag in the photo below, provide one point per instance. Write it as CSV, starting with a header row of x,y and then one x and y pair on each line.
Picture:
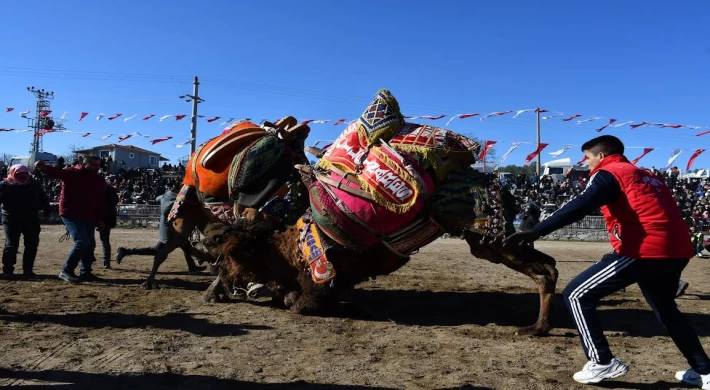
x,y
596,118
693,127
560,152
25,113
107,136
137,134
513,146
321,121
228,121
674,155
555,115
64,115
130,117
622,124
522,112
164,117
98,118
181,144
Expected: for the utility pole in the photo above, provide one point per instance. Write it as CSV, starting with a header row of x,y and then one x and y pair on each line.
x,y
41,121
195,99
537,163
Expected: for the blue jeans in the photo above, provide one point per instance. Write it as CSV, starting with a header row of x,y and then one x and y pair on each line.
x,y
658,280
82,231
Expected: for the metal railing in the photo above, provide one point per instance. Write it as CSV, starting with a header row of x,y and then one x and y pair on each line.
x,y
146,213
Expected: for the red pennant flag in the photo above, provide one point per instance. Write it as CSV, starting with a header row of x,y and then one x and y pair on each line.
x,y
155,141
125,137
581,160
1,130
339,121
44,113
433,118
607,125
645,152
464,116
83,115
572,117
86,134
307,121
178,117
148,117
45,131
703,133
489,145
693,157
114,117
9,109
540,111
213,119
671,126
639,125
532,155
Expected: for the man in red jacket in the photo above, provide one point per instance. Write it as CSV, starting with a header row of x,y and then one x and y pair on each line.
x,y
651,247
81,206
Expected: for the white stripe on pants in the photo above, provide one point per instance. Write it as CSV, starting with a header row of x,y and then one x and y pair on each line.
x,y
579,292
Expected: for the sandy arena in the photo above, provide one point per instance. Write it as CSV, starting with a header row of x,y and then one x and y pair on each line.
x,y
446,320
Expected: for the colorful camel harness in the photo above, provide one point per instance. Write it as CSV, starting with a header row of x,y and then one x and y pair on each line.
x,y
384,181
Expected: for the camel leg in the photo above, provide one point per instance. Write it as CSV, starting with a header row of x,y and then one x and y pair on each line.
x,y
539,266
216,292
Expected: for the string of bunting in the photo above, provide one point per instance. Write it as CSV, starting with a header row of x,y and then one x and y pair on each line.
x,y
577,118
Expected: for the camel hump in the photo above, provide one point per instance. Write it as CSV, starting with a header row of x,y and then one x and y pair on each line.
x,y
229,144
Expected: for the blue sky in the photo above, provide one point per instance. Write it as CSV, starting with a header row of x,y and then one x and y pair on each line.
x,y
630,60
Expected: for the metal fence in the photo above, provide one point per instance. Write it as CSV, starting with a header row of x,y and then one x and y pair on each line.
x,y
140,214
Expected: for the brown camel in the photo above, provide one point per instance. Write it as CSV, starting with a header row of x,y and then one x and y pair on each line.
x,y
380,192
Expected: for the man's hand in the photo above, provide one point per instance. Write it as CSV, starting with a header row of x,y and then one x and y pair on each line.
x,y
40,164
100,225
520,239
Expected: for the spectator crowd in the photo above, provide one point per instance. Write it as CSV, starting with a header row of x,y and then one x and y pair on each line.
x,y
134,186
691,194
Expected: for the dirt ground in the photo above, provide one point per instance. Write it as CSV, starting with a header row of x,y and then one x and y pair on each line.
x,y
446,320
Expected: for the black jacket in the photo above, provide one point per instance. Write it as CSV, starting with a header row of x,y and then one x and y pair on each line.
x,y
23,202
110,203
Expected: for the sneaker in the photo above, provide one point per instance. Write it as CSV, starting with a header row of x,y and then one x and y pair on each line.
x,y
692,378
595,372
89,277
67,277
29,276
7,276
682,286
196,270
120,254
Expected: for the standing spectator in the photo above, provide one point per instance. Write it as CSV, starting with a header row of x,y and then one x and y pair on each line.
x,y
60,162
22,198
81,206
110,203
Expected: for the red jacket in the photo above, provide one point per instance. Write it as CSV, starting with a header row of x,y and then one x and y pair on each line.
x,y
82,193
645,222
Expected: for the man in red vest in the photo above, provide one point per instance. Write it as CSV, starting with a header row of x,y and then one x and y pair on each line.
x,y
651,247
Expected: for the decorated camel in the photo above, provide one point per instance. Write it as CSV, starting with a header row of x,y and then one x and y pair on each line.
x,y
246,173
381,191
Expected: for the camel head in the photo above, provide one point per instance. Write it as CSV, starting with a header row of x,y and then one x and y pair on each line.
x,y
242,239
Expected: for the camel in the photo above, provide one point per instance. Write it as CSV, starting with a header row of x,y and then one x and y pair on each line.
x,y
246,173
380,192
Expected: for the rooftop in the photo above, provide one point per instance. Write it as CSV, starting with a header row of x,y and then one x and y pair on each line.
x,y
116,146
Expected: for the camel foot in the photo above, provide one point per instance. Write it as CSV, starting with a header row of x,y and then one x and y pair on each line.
x,y
290,299
533,330
213,297
150,285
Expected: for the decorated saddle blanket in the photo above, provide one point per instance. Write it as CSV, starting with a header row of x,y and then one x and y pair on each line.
x,y
441,149
314,246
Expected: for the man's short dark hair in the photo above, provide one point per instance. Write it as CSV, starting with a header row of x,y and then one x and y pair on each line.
x,y
89,158
607,144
